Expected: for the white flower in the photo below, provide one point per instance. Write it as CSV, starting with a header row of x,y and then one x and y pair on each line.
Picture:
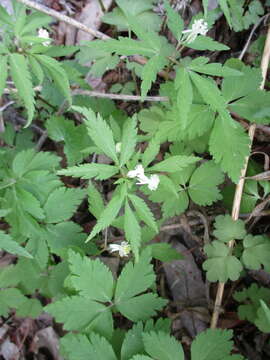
x,y
153,182
118,147
199,27
138,173
123,249
43,33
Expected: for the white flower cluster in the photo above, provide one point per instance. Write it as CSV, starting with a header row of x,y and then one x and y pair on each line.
x,y
152,182
123,249
199,27
43,33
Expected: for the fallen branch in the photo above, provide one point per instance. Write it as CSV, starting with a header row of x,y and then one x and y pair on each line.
x,y
240,185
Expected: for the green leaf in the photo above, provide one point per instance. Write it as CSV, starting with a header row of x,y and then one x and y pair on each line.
x,y
151,152
165,252
36,68
227,229
29,308
174,163
132,343
143,212
183,86
256,252
132,230
128,142
224,7
22,80
221,265
229,145
10,299
212,344
82,269
215,69
149,73
57,74
162,346
203,184
76,312
69,199
205,7
3,73
141,307
174,21
29,203
140,275
263,318
5,17
11,246
95,200
200,121
89,171
100,132
206,43
108,214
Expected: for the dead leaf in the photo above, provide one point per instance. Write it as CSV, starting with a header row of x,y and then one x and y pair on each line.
x,y
48,339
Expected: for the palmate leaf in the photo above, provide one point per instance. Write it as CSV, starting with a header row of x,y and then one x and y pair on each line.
x,y
69,199
91,278
149,72
162,346
132,230
227,229
256,252
143,211
128,142
183,86
95,200
220,265
203,184
57,74
109,213
22,79
229,145
11,246
174,163
213,344
174,21
206,43
29,203
214,69
100,132
89,171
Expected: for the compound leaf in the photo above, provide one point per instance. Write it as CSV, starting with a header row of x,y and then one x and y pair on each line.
x,y
227,229
89,171
256,252
162,346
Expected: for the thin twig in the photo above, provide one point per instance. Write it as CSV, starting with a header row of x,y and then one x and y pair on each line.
x,y
240,185
119,96
64,18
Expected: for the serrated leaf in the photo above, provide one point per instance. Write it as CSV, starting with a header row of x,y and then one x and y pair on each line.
x,y
229,145
221,265
86,312
256,252
162,346
140,275
69,199
183,86
151,152
212,344
132,343
95,200
29,203
206,43
174,163
100,132
149,72
165,252
203,184
57,73
215,69
174,21
82,269
200,121
143,212
90,171
263,318
10,299
3,73
108,214
128,142
141,307
22,80
132,230
11,246
224,7
227,229
36,68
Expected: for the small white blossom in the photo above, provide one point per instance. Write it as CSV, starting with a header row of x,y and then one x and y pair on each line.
x,y
43,33
123,249
118,147
137,172
152,182
199,27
